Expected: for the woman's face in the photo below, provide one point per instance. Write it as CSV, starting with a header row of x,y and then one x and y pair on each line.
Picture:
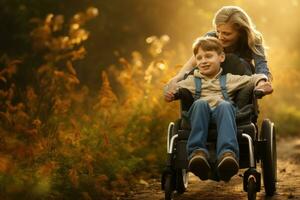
x,y
227,34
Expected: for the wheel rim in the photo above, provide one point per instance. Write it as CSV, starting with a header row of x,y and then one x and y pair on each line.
x,y
170,131
185,176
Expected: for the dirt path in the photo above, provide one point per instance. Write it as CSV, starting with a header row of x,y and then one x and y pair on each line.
x,y
288,186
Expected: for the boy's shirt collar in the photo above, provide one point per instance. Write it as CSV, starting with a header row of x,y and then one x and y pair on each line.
x,y
197,73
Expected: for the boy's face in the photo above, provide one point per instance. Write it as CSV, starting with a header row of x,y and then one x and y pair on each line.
x,y
209,62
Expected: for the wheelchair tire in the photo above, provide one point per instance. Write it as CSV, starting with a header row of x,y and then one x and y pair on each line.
x,y
269,160
251,189
181,181
169,187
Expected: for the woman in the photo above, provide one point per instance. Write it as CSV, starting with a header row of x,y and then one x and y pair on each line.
x,y
234,28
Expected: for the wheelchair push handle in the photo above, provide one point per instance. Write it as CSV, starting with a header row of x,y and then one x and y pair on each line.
x,y
259,93
262,90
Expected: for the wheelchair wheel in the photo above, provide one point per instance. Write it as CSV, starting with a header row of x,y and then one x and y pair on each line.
x,y
181,180
251,189
269,160
168,188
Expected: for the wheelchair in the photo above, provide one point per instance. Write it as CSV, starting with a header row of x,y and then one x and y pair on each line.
x,y
255,146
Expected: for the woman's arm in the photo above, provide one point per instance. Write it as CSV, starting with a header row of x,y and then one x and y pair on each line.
x,y
186,68
260,62
172,84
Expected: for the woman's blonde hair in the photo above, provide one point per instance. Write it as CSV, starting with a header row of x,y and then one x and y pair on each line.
x,y
240,19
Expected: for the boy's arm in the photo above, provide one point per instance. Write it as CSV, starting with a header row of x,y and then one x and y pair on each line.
x,y
262,84
187,67
170,91
260,81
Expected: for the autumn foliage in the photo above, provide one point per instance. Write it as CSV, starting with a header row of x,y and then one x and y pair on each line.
x,y
60,141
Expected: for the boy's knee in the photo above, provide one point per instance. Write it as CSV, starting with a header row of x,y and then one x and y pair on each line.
x,y
224,105
201,103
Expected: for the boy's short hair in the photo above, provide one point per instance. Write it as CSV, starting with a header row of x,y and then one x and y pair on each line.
x,y
207,43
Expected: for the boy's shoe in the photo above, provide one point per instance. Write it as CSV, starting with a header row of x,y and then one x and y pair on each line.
x,y
199,165
228,166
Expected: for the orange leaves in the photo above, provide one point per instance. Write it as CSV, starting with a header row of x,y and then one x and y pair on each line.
x,y
88,162
107,98
62,106
154,71
5,163
58,129
62,46
70,68
157,44
82,17
30,94
69,78
74,178
47,168
78,54
6,73
58,23
102,178
78,36
10,69
92,12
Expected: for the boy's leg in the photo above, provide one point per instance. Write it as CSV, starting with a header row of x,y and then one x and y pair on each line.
x,y
199,115
224,114
227,144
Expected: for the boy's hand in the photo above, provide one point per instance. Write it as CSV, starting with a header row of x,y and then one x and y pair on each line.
x,y
169,96
265,87
169,93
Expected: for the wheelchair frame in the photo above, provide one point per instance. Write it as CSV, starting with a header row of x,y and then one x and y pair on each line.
x,y
261,148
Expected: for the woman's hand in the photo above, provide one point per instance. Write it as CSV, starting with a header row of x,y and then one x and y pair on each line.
x,y
172,84
264,86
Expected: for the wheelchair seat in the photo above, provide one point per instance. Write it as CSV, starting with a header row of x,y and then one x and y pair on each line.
x,y
246,117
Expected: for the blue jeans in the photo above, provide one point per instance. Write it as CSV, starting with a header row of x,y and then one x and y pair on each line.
x,y
200,116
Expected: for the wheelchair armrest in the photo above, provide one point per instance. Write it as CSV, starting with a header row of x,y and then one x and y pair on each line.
x,y
186,98
244,96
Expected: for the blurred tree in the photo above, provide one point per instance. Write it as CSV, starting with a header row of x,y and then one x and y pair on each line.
x,y
121,28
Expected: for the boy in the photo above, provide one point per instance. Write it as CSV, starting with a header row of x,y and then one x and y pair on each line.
x,y
214,103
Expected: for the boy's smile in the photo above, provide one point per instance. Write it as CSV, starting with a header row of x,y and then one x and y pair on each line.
x,y
209,62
